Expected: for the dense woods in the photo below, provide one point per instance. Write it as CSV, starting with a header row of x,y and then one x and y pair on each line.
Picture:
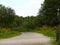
x,y
6,16
47,16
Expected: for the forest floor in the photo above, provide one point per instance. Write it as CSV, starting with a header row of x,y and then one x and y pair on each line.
x,y
27,38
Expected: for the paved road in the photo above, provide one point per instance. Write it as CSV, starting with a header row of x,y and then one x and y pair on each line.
x,y
27,38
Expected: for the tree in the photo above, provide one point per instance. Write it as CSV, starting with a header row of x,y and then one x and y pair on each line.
x,y
6,16
29,23
49,14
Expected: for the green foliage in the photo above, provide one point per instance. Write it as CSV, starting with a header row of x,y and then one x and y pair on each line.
x,y
47,16
6,16
9,34
48,13
48,32
55,42
58,34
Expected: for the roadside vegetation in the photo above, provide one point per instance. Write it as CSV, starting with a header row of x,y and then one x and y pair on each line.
x,y
50,32
11,24
8,34
54,42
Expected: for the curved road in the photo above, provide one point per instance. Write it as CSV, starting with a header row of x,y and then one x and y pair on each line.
x,y
27,38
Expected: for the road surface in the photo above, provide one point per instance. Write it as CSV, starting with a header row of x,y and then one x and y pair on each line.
x,y
27,38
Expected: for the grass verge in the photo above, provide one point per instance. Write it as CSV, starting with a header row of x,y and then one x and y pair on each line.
x,y
54,42
48,32
8,34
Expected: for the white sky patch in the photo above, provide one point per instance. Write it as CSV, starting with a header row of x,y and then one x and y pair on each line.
x,y
24,7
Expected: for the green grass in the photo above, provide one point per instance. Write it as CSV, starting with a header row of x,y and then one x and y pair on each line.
x,y
54,42
8,34
48,32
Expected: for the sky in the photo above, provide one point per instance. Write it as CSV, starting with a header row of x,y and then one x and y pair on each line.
x,y
23,7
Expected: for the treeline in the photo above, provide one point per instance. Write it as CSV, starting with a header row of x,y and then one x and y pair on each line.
x,y
24,23
6,16
47,16
8,19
